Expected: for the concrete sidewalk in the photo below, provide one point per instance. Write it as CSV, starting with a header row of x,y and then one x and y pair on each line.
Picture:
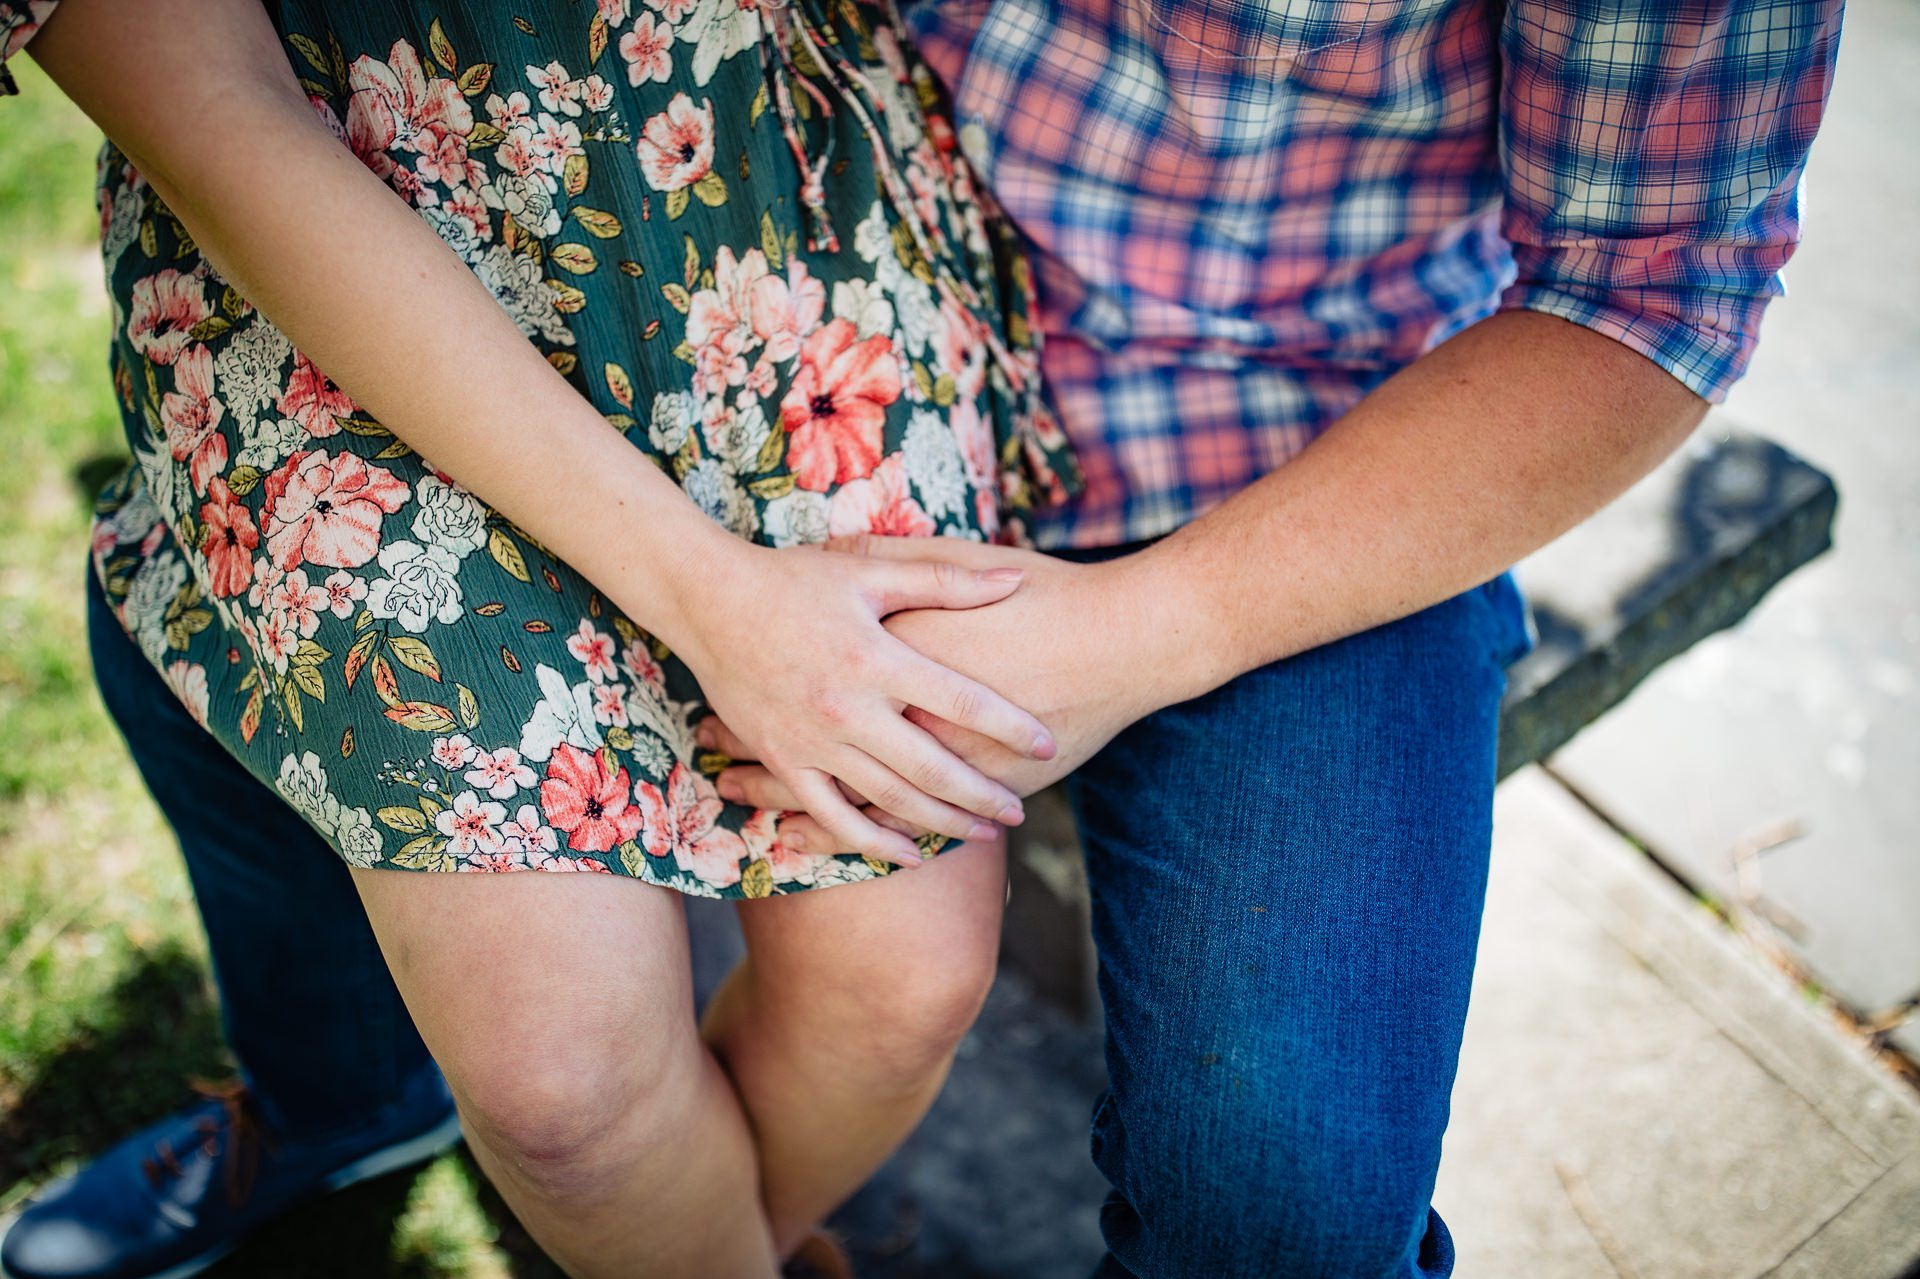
x,y
1641,1096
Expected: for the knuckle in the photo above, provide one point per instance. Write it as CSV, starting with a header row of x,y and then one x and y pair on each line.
x,y
964,705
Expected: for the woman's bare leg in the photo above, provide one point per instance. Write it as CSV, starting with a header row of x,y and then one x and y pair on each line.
x,y
560,1007
839,1026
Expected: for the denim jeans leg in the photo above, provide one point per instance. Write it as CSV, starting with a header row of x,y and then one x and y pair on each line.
x,y
1287,877
306,1001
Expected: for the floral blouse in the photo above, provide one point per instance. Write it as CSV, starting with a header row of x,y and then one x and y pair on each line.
x,y
743,232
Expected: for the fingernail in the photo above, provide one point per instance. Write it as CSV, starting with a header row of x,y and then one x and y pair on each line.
x,y
1012,815
983,830
1044,747
703,737
1002,574
911,859
730,791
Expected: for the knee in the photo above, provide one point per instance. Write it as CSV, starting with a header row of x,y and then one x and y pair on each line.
x,y
1263,1194
903,1025
567,1116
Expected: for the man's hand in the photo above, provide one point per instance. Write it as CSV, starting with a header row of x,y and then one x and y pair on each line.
x,y
1073,646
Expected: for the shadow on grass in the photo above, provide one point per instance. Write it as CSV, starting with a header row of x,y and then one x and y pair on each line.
x,y
127,1064
124,1064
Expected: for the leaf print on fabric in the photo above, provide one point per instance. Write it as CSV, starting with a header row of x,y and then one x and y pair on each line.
x,y
326,509
836,408
680,823
584,796
676,146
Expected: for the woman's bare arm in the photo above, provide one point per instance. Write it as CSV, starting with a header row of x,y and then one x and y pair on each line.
x,y
200,96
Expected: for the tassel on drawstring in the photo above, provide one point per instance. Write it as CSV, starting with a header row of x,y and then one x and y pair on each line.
x,y
792,22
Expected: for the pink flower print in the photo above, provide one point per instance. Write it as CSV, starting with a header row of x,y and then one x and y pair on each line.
x,y
507,859
508,112
558,91
500,773
836,406
587,798
646,51
298,603
326,509
312,399
676,146
227,540
786,311
192,416
610,704
344,590
528,834
471,825
613,12
638,662
277,640
165,309
680,824
882,503
766,842
672,10
594,649
596,94
396,104
453,752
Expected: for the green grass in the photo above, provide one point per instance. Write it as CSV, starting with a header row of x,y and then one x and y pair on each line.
x,y
106,1008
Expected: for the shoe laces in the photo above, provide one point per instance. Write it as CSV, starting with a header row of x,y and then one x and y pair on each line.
x,y
239,1116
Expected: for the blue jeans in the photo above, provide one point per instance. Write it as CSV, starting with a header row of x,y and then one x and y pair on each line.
x,y
308,1007
1287,877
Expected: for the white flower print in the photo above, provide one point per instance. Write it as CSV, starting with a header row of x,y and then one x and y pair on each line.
x,y
515,281
673,416
359,841
421,586
593,648
798,519
269,441
715,491
933,460
718,29
864,306
563,714
302,782
154,585
738,434
250,369
530,200
448,516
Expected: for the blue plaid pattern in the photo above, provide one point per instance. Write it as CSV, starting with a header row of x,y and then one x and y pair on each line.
x,y
1246,215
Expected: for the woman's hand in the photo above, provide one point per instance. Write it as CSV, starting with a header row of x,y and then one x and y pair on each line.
x,y
789,649
1075,645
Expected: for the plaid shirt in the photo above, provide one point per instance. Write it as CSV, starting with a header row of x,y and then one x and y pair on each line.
x,y
1247,214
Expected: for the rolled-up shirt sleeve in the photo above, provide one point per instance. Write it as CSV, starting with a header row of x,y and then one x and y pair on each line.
x,y
1653,156
19,20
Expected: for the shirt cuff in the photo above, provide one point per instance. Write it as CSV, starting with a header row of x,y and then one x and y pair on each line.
x,y
1707,353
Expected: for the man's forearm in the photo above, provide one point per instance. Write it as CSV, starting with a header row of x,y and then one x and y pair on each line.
x,y
1480,452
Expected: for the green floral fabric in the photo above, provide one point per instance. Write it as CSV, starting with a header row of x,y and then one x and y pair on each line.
x,y
743,232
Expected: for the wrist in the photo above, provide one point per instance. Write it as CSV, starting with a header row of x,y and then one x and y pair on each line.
x,y
1180,637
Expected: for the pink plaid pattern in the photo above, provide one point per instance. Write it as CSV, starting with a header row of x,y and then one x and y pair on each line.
x,y
1246,215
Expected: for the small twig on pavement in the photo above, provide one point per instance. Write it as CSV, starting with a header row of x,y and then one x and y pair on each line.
x,y
1589,1213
